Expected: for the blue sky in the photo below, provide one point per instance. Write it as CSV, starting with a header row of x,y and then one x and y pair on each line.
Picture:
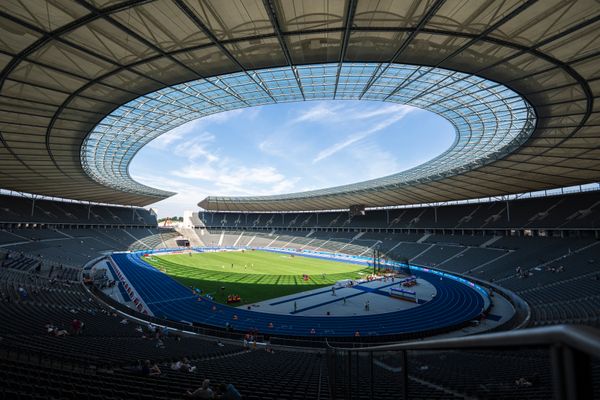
x,y
286,148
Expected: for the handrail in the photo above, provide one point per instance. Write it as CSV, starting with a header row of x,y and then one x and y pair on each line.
x,y
582,338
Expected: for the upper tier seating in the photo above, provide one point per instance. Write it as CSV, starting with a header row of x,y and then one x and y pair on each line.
x,y
571,211
22,210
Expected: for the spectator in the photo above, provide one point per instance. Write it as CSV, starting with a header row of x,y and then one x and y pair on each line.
x,y
522,382
267,340
22,293
203,392
60,332
50,328
229,392
76,326
150,369
186,366
145,368
176,365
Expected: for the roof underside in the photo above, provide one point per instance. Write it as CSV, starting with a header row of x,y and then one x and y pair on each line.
x,y
490,120
66,65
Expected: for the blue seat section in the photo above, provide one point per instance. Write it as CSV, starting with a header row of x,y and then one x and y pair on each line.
x,y
124,293
454,304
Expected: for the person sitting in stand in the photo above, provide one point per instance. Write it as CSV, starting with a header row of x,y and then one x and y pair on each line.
x,y
59,332
523,382
176,365
186,366
76,326
203,392
22,293
150,369
228,392
50,328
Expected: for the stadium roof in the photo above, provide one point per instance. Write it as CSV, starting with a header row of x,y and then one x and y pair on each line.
x,y
67,65
490,120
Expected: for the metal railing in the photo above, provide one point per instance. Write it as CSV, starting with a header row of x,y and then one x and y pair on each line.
x,y
548,362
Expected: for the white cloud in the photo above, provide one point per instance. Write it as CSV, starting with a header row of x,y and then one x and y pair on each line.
x,y
286,186
343,117
175,135
180,133
187,197
283,145
375,161
396,112
254,182
383,109
223,117
266,146
321,111
331,150
199,147
328,112
225,175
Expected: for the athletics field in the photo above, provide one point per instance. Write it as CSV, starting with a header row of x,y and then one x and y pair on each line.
x,y
254,275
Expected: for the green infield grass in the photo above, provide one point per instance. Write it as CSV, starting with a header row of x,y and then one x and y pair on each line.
x,y
254,275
